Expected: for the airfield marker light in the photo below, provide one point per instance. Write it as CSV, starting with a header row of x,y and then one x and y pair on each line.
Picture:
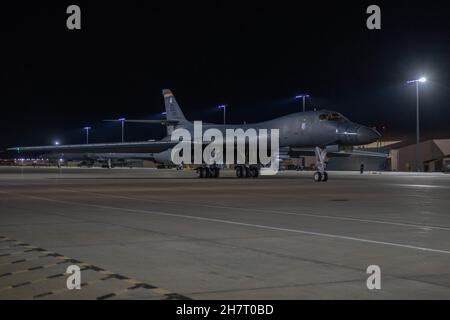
x,y
224,107
423,79
303,96
87,133
417,82
122,120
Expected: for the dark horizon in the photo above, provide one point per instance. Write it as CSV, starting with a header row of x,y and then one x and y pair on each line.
x,y
254,57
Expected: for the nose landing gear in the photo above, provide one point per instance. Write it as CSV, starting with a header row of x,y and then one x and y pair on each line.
x,y
320,174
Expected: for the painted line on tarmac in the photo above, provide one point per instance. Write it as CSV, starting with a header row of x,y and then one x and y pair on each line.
x,y
237,223
318,216
422,186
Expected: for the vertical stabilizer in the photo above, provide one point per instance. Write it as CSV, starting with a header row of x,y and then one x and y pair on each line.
x,y
173,110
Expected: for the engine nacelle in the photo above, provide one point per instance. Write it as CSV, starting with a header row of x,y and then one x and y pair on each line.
x,y
338,148
164,157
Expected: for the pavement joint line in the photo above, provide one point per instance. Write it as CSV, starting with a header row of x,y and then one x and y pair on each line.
x,y
6,240
53,276
118,293
318,216
39,267
30,259
306,284
162,292
237,223
19,245
84,266
58,291
24,251
21,284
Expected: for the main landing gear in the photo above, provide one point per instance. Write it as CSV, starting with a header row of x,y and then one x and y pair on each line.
x,y
242,171
320,174
208,172
247,172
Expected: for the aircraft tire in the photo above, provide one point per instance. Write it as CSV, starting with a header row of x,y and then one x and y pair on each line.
x,y
254,172
247,172
325,177
201,172
239,172
317,176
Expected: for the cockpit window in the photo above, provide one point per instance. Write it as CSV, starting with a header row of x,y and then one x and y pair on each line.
x,y
331,116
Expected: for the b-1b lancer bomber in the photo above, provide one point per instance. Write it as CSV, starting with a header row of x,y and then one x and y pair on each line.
x,y
321,133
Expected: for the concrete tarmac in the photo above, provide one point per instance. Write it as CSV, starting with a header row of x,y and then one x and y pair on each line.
x,y
164,234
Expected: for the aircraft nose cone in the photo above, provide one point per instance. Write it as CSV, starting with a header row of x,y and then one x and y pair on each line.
x,y
367,135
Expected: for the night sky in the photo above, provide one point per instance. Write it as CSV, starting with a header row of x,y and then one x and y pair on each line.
x,y
254,57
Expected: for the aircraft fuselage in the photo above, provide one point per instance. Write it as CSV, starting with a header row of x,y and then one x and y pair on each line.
x,y
305,129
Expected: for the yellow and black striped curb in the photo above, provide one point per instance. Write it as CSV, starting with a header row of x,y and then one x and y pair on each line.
x,y
43,253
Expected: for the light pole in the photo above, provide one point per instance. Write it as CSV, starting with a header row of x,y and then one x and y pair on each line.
x,y
122,120
417,82
303,96
87,133
224,107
